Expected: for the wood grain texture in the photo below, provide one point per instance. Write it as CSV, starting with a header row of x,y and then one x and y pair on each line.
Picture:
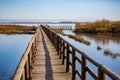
x,y
47,65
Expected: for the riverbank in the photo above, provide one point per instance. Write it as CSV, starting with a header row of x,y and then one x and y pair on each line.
x,y
16,29
100,26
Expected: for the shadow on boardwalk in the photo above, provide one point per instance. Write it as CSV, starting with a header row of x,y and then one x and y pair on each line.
x,y
49,70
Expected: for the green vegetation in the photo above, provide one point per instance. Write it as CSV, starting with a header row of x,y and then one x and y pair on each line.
x,y
16,29
100,26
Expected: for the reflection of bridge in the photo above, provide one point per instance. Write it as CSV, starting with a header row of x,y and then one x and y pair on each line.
x,y
50,57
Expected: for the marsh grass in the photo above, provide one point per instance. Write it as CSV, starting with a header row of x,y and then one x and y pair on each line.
x,y
99,48
113,55
99,26
77,38
16,29
80,39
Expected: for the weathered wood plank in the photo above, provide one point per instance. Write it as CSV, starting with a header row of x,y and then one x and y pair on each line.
x,y
47,65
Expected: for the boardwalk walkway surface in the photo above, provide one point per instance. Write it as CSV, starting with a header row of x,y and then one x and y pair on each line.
x,y
47,65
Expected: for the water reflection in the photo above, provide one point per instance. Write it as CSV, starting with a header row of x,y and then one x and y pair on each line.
x,y
102,42
102,38
105,40
109,53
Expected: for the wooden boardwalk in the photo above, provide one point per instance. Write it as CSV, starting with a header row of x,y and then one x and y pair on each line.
x,y
41,62
47,65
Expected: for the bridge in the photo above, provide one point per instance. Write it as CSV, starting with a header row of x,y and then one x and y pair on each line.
x,y
50,57
60,27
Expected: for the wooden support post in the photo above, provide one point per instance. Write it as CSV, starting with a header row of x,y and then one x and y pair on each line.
x,y
58,45
29,64
68,58
33,52
101,75
60,48
84,64
63,54
51,36
73,64
23,76
27,70
55,41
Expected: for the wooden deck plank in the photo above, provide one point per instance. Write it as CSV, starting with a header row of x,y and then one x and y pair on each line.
x,y
47,65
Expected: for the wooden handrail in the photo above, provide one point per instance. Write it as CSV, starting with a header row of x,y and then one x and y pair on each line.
x,y
58,42
23,71
60,27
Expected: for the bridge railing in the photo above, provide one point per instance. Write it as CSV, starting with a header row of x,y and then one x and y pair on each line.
x,y
23,71
67,53
60,27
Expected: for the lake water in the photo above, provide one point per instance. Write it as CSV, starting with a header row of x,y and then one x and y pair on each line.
x,y
109,41
12,48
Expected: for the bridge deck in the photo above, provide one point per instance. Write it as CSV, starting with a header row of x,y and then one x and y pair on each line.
x,y
47,65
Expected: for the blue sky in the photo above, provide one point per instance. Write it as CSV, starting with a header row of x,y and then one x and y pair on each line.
x,y
82,10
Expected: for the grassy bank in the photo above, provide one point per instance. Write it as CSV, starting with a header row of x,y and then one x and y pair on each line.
x,y
16,29
80,39
100,26
77,38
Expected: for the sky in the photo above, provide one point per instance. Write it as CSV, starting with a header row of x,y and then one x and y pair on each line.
x,y
82,10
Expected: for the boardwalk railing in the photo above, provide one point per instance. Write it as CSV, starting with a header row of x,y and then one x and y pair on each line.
x,y
69,27
67,53
24,68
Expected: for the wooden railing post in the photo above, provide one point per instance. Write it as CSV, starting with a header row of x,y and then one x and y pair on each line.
x,y
29,64
84,64
60,49
55,41
23,76
33,54
52,37
27,69
68,58
63,54
57,45
101,75
73,64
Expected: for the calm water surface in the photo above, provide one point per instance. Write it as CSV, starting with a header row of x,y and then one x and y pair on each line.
x,y
12,48
110,42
